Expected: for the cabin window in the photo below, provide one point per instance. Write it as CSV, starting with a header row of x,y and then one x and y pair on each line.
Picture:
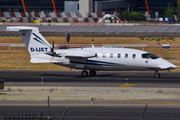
x,y
104,55
134,55
126,55
119,55
149,56
111,55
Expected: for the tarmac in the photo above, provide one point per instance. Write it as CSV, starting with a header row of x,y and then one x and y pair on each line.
x,y
103,31
92,112
100,109
102,79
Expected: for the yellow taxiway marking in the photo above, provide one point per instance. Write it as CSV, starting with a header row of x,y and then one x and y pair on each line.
x,y
126,74
127,85
166,103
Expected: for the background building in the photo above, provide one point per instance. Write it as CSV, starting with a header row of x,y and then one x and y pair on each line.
x,y
107,6
70,6
33,5
134,6
86,6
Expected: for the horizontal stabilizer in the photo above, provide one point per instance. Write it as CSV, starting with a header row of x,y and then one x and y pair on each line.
x,y
21,28
38,60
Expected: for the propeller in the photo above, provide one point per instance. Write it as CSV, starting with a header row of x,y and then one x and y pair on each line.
x,y
51,52
52,49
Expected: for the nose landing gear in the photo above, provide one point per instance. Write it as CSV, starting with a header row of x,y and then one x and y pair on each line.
x,y
157,75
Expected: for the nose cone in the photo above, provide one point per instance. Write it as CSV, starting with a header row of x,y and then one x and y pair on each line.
x,y
173,66
167,65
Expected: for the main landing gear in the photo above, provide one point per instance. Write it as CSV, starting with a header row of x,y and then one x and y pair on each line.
x,y
84,73
157,75
92,73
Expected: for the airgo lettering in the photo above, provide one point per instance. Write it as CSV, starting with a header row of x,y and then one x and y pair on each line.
x,y
38,49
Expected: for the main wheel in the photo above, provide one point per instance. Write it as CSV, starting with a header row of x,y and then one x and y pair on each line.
x,y
92,72
157,75
84,73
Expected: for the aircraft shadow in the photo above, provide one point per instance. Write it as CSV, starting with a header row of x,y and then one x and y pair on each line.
x,y
112,76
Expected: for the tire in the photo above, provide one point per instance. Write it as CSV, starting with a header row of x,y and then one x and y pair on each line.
x,y
84,73
92,73
157,75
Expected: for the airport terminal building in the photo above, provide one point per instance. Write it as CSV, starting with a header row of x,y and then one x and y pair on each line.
x,y
97,6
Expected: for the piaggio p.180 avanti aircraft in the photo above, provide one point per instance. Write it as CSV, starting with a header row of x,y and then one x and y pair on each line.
x,y
92,59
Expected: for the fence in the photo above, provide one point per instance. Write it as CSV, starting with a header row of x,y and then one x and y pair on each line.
x,y
34,116
63,17
25,117
95,45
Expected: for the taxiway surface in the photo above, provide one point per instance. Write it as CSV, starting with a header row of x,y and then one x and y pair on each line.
x,y
100,110
103,31
102,79
93,112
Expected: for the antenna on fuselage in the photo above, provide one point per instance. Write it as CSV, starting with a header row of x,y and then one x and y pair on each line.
x,y
68,38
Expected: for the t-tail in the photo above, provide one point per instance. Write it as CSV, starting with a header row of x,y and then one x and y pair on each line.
x,y
35,43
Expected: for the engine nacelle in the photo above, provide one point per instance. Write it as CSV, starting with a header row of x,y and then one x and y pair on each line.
x,y
65,61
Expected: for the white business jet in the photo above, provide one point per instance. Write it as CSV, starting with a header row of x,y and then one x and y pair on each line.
x,y
92,59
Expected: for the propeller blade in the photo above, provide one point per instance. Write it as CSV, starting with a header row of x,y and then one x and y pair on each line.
x,y
53,44
52,49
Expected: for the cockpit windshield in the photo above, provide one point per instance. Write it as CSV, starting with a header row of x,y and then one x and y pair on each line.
x,y
149,56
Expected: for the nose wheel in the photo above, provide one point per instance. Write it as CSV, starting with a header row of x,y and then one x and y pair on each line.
x,y
157,75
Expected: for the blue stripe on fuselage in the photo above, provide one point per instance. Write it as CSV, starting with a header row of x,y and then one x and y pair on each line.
x,y
100,62
94,62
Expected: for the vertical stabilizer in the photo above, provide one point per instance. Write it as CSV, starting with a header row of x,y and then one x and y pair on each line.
x,y
34,41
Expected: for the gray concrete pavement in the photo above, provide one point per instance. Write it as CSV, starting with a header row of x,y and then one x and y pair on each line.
x,y
103,31
102,79
94,112
109,110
